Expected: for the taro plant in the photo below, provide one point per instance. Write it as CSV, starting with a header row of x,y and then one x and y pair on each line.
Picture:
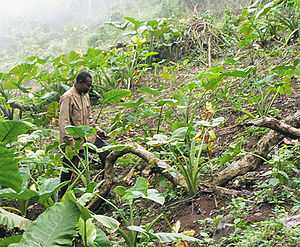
x,y
16,179
81,134
60,224
133,229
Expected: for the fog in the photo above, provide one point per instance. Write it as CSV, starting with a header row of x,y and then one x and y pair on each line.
x,y
20,18
35,27
56,13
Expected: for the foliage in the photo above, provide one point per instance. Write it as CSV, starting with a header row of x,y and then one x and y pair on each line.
x,y
147,94
11,220
56,227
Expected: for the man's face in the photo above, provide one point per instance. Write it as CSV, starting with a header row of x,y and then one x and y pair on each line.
x,y
83,87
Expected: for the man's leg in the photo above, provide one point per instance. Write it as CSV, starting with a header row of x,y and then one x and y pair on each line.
x,y
67,176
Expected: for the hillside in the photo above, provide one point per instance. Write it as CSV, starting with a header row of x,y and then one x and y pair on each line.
x,y
201,116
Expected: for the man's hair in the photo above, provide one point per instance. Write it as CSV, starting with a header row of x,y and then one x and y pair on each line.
x,y
82,76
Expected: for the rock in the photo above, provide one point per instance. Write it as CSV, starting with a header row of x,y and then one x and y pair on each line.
x,y
292,221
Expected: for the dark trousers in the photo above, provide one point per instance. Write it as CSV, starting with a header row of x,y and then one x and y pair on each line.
x,y
74,162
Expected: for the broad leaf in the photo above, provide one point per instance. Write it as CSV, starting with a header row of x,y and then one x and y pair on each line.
x,y
158,140
168,102
150,91
237,73
139,190
136,23
117,147
179,134
11,220
11,129
49,187
23,195
87,229
141,185
9,171
115,96
137,229
101,239
107,222
10,240
56,227
164,237
155,196
80,131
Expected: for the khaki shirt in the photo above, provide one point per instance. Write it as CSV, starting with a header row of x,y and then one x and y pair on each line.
x,y
75,109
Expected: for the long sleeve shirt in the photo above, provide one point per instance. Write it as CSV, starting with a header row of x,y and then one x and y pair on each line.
x,y
75,109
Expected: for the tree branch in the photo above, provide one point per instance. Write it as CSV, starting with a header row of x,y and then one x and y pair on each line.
x,y
276,125
109,171
252,160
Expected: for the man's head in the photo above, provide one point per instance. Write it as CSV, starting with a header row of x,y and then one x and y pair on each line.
x,y
83,82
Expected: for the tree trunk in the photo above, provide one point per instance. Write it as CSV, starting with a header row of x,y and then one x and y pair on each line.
x,y
252,160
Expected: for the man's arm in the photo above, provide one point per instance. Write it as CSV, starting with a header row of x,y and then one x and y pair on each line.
x,y
65,120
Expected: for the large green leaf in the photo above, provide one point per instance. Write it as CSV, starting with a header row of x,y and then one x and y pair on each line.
x,y
136,23
141,185
10,240
11,129
151,91
23,195
80,131
11,220
20,74
139,190
9,171
56,227
49,187
154,195
87,229
101,239
115,95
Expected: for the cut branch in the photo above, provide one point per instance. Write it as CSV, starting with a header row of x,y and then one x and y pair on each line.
x,y
111,159
278,126
252,160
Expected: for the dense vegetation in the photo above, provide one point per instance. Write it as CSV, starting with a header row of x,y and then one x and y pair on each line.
x,y
185,91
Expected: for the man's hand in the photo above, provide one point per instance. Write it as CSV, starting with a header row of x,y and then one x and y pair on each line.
x,y
101,133
69,141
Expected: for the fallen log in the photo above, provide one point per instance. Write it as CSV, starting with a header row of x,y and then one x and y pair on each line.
x,y
252,160
278,126
160,166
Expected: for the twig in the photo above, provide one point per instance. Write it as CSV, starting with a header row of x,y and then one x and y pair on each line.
x,y
209,51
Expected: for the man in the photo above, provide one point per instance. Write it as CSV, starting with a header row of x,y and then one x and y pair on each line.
x,y
75,109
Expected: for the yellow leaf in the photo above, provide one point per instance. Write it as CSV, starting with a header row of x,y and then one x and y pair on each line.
x,y
189,233
176,226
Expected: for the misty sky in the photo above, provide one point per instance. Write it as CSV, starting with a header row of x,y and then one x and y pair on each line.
x,y
11,9
28,25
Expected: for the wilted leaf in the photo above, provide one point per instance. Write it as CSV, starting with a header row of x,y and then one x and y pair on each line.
x,y
165,237
158,140
155,196
107,222
11,220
